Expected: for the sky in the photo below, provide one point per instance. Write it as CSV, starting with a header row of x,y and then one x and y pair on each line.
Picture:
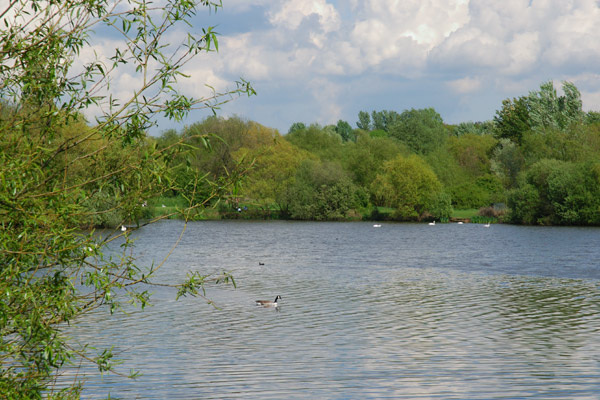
x,y
319,61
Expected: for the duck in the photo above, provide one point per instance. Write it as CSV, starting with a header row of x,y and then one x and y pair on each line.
x,y
432,223
487,225
268,303
377,226
123,228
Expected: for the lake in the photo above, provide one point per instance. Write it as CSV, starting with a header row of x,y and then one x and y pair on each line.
x,y
404,311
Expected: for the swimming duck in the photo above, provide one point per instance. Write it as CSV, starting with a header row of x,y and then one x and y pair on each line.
x,y
268,303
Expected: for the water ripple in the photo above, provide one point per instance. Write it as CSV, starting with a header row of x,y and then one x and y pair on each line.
x,y
362,317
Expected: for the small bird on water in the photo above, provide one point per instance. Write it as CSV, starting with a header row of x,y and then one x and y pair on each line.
x,y
268,303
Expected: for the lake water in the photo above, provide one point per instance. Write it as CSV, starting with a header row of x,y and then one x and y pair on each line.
x,y
404,311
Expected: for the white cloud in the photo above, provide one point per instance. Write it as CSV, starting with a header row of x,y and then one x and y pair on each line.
x,y
450,50
465,85
292,13
574,37
589,86
241,6
241,53
470,48
462,46
591,100
512,37
197,85
326,95
405,31
524,51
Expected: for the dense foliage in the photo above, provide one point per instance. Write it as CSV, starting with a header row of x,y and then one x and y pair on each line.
x,y
538,160
60,173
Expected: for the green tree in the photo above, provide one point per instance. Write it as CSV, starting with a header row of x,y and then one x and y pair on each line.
x,y
344,129
592,117
476,128
321,191
379,133
477,193
297,126
421,130
523,203
318,140
273,172
558,193
547,110
408,185
512,120
507,162
365,160
364,121
472,152
225,137
577,143
448,171
384,120
379,122
51,166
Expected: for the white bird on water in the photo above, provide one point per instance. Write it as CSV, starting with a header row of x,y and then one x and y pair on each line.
x,y
123,228
432,223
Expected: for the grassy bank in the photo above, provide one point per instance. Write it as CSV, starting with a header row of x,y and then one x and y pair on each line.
x,y
173,206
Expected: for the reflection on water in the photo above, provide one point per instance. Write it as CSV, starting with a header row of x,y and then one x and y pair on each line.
x,y
403,311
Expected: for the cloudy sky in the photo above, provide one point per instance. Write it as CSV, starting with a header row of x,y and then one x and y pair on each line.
x,y
325,60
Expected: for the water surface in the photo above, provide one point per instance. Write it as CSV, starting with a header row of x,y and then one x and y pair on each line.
x,y
405,311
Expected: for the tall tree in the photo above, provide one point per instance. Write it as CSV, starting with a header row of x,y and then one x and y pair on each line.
x,y
297,126
512,120
384,120
421,130
364,121
51,165
344,129
547,110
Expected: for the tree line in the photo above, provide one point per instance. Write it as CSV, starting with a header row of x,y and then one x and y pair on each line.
x,y
536,162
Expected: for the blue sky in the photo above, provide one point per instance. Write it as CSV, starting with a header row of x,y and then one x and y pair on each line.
x,y
321,61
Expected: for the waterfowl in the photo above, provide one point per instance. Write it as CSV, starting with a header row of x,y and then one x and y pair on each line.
x,y
377,226
487,225
268,303
432,223
261,263
123,228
